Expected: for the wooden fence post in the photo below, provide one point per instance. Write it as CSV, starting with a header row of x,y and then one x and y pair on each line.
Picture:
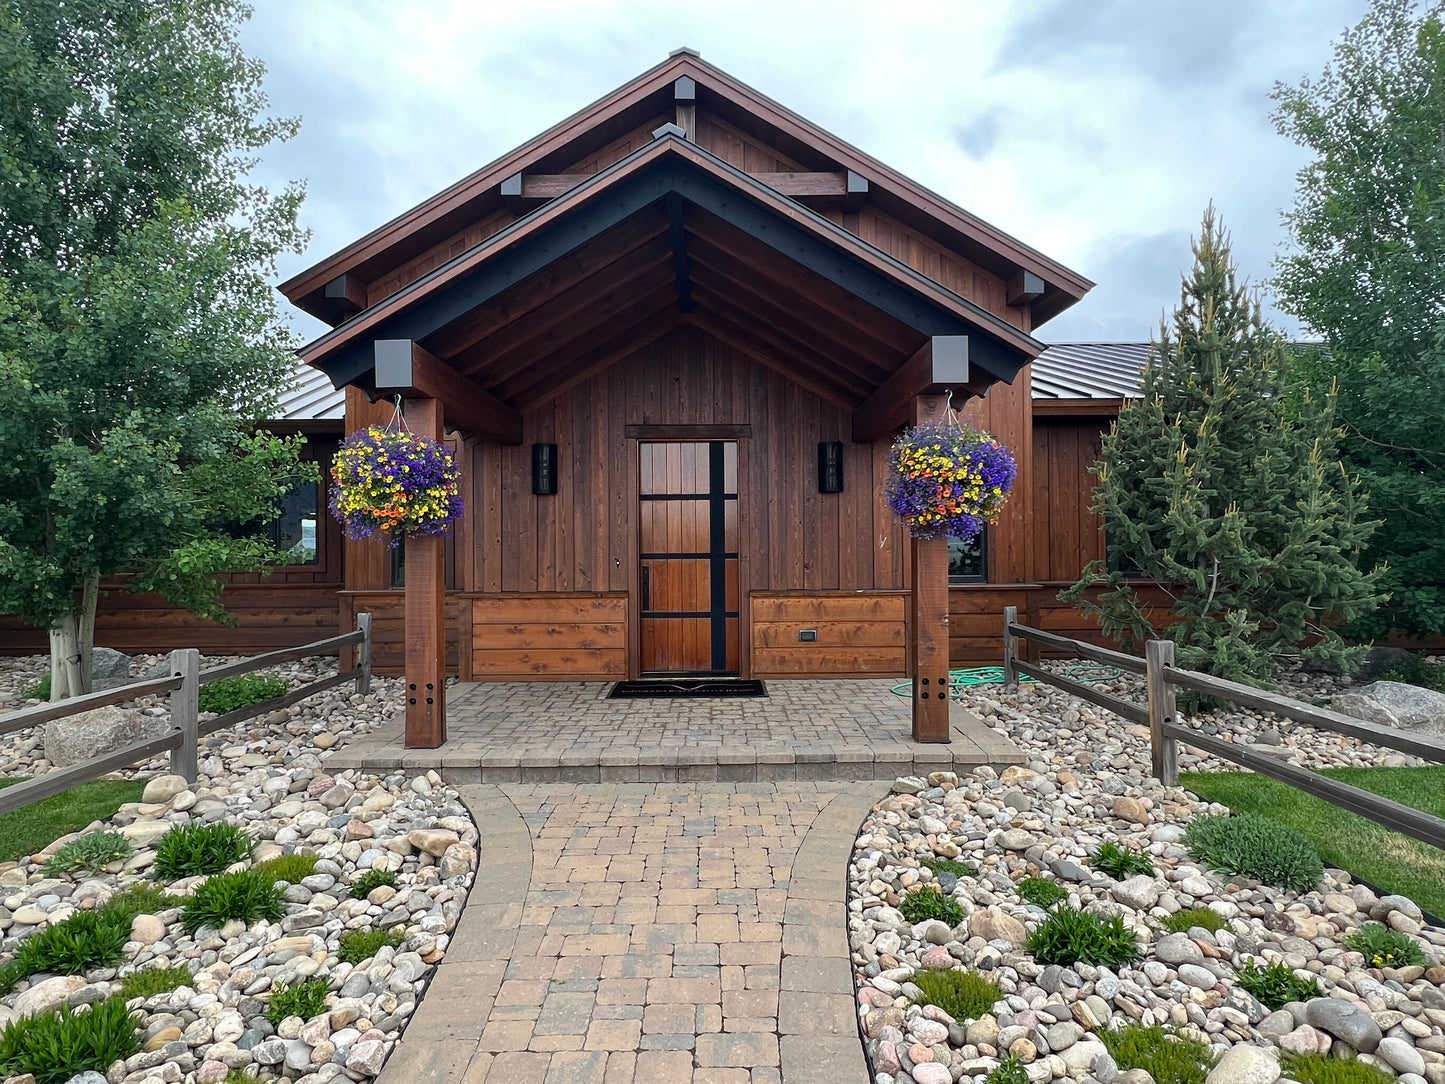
x,y
1164,750
1010,647
186,664
363,654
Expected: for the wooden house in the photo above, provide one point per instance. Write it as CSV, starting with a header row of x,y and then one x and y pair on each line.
x,y
671,340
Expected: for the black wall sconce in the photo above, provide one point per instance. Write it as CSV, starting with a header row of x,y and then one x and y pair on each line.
x,y
544,470
830,466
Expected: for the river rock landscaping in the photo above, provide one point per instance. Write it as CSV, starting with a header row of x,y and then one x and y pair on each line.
x,y
1139,964
294,944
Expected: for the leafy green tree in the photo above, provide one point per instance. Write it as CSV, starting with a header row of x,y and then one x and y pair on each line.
x,y
139,336
1368,274
1227,491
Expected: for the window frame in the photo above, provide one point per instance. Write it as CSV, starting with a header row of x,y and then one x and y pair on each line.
x,y
968,579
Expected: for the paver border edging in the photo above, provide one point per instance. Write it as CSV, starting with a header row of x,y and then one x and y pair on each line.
x,y
440,1040
817,999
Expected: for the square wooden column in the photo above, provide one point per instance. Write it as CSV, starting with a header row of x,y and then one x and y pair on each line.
x,y
426,633
929,611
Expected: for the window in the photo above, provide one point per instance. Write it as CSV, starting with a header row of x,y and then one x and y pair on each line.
x,y
293,532
968,561
397,555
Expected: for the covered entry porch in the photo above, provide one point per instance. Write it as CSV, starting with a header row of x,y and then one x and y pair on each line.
x,y
525,732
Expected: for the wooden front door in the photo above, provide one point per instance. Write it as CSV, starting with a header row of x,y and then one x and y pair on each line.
x,y
689,553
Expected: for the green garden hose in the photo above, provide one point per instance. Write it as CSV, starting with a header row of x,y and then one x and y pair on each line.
x,y
993,675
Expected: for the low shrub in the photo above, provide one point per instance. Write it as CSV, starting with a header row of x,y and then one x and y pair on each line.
x,y
948,865
358,945
1069,936
240,691
1161,1051
1251,845
245,895
1415,671
1008,1071
306,1000
85,940
55,1046
150,981
291,868
1184,921
39,691
1384,947
1274,986
1040,892
370,881
90,853
1121,863
1324,1069
964,995
199,850
928,902
141,899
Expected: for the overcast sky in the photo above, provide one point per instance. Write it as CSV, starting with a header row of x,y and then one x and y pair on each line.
x,y
1094,130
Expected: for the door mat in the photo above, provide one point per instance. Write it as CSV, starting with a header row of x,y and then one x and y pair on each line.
x,y
661,688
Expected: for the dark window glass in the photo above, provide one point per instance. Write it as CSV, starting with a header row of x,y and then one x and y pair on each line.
x,y
398,562
293,532
968,561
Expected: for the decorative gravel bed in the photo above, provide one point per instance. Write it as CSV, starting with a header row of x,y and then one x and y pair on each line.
x,y
409,835
1088,784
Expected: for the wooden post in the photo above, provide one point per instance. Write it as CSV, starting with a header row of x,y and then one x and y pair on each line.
x,y
1010,647
930,612
426,639
186,664
363,654
1164,750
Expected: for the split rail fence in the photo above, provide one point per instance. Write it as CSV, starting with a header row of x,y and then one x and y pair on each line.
x,y
183,685
1166,730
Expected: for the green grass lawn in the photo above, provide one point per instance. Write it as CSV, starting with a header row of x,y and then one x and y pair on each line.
x,y
30,829
1346,840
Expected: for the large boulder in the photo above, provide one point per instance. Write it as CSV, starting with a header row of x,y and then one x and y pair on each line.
x,y
1393,703
109,668
100,731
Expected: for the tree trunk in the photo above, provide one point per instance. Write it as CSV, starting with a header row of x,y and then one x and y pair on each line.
x,y
57,664
65,672
89,596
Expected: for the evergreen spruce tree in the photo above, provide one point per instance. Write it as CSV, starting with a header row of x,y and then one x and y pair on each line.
x,y
1227,490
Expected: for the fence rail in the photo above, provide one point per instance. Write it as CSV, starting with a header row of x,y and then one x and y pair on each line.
x,y
184,686
1162,678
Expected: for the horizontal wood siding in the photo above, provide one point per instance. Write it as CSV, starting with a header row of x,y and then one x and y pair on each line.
x,y
388,626
268,615
858,634
549,637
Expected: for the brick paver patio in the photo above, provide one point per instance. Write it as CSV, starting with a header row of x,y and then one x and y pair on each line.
x,y
631,933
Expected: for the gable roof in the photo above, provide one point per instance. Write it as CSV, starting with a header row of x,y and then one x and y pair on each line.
x,y
634,104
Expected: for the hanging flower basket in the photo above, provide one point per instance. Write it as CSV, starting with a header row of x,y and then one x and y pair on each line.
x,y
386,479
947,480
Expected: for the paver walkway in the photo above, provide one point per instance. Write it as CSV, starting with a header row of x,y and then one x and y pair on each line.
x,y
631,933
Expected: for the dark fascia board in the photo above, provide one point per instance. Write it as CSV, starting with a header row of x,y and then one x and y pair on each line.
x,y
614,202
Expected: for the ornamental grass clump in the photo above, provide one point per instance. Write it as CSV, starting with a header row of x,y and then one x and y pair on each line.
x,y
90,853
1325,1069
1160,1051
359,945
948,865
291,868
1251,845
150,981
1069,936
245,895
391,480
1121,863
947,480
1384,947
1274,986
199,850
1008,1071
370,881
306,1000
964,995
1183,921
53,1047
928,902
1041,892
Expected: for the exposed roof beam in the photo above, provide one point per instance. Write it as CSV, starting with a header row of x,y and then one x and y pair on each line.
x,y
684,93
678,235
940,365
848,186
1025,287
601,356
347,292
405,368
